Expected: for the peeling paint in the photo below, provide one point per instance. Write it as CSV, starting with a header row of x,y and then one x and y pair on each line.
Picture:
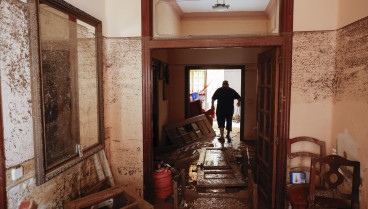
x,y
313,64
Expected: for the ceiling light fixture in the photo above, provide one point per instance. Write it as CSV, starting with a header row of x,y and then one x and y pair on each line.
x,y
220,7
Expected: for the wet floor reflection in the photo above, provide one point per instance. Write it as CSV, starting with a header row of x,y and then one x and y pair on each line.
x,y
187,158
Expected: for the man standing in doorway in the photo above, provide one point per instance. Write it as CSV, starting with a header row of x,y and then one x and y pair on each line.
x,y
225,97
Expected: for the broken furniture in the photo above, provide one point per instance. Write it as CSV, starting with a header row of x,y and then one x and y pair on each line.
x,y
121,200
300,161
217,167
189,130
341,183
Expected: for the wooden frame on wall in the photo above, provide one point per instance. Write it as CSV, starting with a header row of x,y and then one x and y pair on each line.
x,y
2,159
284,40
42,173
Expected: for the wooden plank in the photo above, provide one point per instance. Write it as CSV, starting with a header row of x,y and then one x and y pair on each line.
x,y
223,173
217,42
252,188
216,159
98,197
97,187
133,205
176,196
105,166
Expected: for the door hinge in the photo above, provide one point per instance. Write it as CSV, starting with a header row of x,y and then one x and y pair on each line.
x,y
279,59
277,140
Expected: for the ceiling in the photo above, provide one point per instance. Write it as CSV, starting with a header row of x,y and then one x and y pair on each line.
x,y
188,6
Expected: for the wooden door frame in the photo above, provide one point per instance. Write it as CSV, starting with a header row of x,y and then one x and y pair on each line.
x,y
226,67
284,40
2,158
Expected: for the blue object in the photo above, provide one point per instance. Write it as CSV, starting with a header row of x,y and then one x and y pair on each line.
x,y
298,177
195,96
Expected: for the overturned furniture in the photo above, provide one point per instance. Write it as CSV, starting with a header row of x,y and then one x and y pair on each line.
x,y
187,131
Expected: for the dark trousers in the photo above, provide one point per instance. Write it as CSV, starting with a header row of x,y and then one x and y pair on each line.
x,y
221,117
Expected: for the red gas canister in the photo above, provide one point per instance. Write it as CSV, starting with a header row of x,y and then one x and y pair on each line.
x,y
162,181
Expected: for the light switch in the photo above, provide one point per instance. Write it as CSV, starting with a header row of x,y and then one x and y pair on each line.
x,y
17,173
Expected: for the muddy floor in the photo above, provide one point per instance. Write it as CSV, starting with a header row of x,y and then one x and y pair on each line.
x,y
214,197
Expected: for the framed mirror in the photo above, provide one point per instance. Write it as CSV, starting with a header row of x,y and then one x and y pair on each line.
x,y
68,100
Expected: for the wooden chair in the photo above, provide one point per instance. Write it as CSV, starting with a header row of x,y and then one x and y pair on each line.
x,y
300,161
341,183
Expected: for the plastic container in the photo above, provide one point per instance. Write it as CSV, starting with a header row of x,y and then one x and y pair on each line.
x,y
195,96
162,180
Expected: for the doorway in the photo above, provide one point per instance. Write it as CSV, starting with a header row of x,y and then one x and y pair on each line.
x,y
203,81
182,61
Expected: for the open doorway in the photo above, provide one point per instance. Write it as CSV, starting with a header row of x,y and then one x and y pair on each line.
x,y
175,107
202,82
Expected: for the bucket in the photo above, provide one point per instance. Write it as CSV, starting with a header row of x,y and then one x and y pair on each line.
x,y
162,181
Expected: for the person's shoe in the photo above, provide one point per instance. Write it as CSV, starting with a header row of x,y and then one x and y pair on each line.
x,y
221,139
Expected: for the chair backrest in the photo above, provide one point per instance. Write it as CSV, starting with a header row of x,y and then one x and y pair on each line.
x,y
299,160
341,182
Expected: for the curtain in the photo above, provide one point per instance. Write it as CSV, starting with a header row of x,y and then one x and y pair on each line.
x,y
198,79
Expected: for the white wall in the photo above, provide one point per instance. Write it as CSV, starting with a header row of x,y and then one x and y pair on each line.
x,y
314,15
119,18
96,8
351,11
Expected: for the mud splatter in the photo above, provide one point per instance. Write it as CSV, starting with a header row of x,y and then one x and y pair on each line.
x,y
123,111
352,62
59,190
15,81
313,75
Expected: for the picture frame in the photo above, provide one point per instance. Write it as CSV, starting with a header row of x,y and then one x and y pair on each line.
x,y
298,177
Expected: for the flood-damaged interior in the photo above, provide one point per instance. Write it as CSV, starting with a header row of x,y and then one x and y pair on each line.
x,y
108,104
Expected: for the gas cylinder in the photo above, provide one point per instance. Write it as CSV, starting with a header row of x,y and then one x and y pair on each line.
x,y
162,180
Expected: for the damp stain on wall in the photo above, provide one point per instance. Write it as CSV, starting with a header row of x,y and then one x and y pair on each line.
x,y
123,111
352,62
15,82
313,64
55,193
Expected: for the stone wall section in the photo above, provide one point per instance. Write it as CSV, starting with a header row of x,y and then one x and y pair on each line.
x,y
123,111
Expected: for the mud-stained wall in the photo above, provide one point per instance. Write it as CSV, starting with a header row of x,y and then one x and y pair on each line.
x,y
18,125
313,85
123,111
59,190
350,124
15,82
